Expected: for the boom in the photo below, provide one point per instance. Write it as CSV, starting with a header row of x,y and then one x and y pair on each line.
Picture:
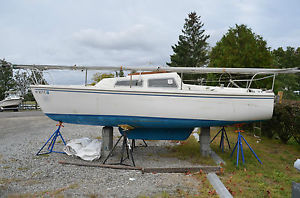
x,y
194,70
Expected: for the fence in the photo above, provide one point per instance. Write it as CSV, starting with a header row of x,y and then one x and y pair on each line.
x,y
29,106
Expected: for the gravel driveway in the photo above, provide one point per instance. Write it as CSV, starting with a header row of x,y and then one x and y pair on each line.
x,y
24,173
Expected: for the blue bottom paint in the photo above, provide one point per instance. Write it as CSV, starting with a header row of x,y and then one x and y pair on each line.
x,y
137,121
148,128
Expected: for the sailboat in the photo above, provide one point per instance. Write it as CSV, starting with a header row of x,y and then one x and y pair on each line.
x,y
155,105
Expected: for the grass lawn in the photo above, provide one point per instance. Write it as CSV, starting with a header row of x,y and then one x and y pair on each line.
x,y
29,102
271,179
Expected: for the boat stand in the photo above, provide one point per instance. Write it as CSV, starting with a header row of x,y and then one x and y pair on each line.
x,y
223,133
134,146
125,146
239,146
53,138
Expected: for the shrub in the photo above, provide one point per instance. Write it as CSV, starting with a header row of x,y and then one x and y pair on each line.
x,y
296,130
268,128
283,115
285,122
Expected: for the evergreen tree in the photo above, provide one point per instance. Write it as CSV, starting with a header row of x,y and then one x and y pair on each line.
x,y
121,73
192,48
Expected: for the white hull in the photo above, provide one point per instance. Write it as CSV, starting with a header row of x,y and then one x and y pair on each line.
x,y
180,105
10,103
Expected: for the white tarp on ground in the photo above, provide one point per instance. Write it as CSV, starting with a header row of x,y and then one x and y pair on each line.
x,y
85,148
297,164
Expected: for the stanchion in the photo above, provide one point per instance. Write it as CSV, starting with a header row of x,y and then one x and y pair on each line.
x,y
239,146
223,133
53,138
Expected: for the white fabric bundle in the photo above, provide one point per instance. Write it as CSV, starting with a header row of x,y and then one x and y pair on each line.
x,y
297,164
84,148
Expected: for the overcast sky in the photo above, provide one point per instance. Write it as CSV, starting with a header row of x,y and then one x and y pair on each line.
x,y
129,32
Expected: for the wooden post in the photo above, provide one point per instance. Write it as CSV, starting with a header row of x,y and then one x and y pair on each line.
x,y
280,94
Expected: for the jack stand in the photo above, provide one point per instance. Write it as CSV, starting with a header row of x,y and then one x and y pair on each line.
x,y
53,140
134,146
239,145
126,146
223,132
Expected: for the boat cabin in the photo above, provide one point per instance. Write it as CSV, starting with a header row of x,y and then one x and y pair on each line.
x,y
167,82
159,80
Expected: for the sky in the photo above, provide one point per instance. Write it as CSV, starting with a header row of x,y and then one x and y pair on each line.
x,y
129,32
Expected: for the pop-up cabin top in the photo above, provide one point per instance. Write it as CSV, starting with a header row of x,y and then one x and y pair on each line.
x,y
167,82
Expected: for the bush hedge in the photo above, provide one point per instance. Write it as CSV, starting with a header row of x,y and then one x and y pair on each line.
x,y
285,122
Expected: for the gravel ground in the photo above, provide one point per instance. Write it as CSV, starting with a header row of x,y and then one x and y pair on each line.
x,y
24,173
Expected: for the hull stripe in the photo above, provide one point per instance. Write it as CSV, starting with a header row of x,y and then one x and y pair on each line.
x,y
165,95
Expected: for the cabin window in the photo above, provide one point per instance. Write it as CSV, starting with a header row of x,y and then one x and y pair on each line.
x,y
134,83
162,82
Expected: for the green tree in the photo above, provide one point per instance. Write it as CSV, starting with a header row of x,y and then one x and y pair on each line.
x,y
22,82
240,47
120,73
97,77
286,58
6,78
24,79
287,83
192,48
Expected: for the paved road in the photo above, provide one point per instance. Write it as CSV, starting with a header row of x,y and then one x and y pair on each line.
x,y
10,114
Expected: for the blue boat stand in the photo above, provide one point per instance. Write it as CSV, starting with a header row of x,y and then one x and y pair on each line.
x,y
53,138
223,133
239,146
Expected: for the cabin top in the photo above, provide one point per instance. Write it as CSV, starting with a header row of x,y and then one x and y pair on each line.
x,y
164,82
156,80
